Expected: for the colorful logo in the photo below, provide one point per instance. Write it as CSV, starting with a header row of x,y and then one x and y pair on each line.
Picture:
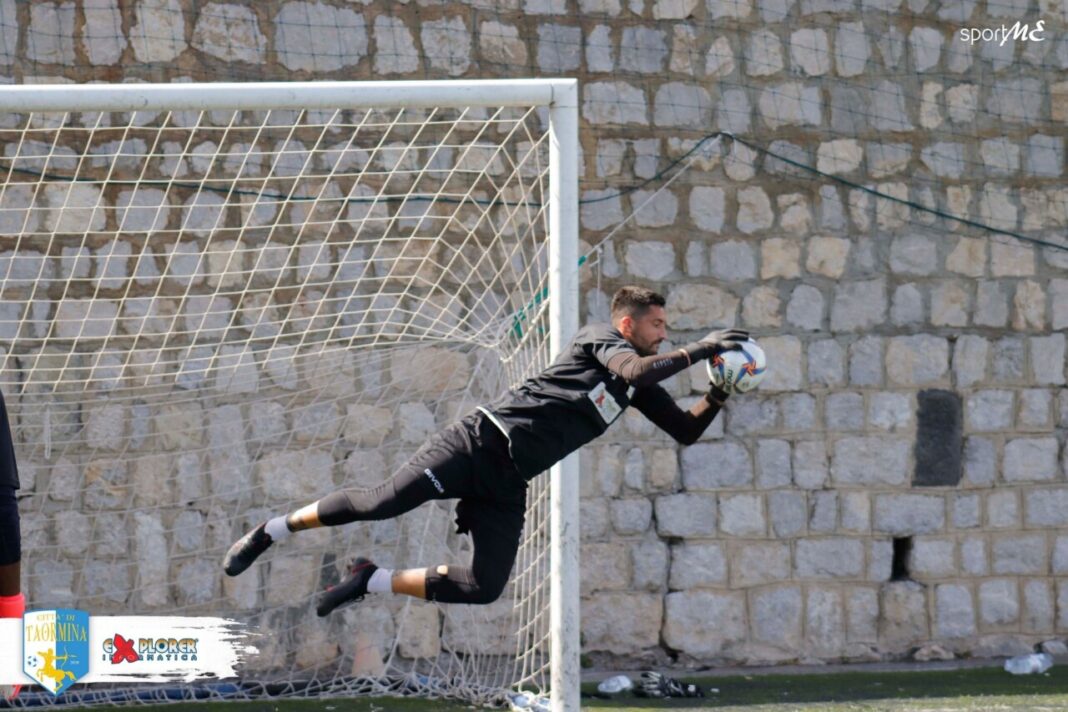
x,y
55,647
122,650
119,649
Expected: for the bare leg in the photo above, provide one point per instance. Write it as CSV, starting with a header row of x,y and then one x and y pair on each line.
x,y
11,579
307,517
412,582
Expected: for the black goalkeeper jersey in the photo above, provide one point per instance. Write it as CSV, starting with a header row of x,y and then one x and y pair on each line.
x,y
568,404
9,473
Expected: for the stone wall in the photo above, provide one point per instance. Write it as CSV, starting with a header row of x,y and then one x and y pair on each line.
x,y
773,538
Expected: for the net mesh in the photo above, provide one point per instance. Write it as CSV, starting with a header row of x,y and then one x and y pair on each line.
x,y
209,318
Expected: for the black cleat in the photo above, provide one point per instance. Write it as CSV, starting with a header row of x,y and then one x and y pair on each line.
x,y
351,589
246,550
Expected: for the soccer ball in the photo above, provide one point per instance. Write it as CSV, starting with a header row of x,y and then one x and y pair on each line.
x,y
738,370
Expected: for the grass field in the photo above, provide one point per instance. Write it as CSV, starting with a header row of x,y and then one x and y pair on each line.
x,y
976,689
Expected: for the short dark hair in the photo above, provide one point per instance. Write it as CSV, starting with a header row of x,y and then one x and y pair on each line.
x,y
634,301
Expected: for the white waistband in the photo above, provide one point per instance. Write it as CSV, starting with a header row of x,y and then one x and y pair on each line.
x,y
493,419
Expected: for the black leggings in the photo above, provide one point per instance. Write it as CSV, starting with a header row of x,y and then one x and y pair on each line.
x,y
10,535
469,461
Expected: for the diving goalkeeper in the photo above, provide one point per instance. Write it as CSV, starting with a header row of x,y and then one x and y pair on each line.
x,y
486,459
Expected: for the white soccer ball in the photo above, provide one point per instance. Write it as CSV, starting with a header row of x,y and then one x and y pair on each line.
x,y
738,370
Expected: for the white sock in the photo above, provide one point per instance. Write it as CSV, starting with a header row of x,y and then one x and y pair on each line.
x,y
277,529
381,581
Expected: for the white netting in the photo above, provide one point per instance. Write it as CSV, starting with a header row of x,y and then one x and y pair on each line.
x,y
210,317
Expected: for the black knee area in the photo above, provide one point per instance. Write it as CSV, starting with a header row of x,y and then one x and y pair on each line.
x,y
10,533
359,506
461,584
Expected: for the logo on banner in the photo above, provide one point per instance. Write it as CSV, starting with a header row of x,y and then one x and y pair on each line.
x,y
55,647
119,649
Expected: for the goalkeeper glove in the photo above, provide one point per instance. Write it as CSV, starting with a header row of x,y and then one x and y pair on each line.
x,y
654,684
723,339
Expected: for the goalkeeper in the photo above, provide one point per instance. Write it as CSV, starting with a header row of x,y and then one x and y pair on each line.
x,y
486,459
12,602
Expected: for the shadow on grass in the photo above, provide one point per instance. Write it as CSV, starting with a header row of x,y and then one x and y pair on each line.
x,y
852,687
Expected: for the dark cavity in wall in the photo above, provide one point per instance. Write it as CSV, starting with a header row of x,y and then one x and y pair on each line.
x,y
939,439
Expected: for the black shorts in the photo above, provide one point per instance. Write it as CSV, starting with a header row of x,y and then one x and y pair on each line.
x,y
10,534
469,460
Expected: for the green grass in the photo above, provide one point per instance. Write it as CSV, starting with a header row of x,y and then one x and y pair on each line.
x,y
972,690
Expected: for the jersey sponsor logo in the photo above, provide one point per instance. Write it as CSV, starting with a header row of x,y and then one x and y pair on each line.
x,y
434,480
604,403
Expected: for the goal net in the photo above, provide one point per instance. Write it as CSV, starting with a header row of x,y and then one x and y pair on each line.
x,y
222,302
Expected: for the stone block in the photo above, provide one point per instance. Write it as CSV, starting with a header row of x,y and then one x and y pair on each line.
x,y
608,567
704,623
784,352
712,466
1020,554
966,511
932,558
614,103
1038,612
773,466
938,438
697,565
826,363
742,515
823,517
858,306
810,464
829,558
754,210
954,612
904,614
805,308
973,557
707,208
733,260
866,361
775,616
686,515
856,511
891,412
559,48
914,255
679,105
844,411
1046,508
980,461
970,355
917,360
649,563
788,512
999,603
909,514
631,516
870,461
754,563
1048,358
650,260
1031,460
701,306
827,256
824,622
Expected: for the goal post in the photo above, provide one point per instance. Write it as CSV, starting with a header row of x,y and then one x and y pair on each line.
x,y
225,300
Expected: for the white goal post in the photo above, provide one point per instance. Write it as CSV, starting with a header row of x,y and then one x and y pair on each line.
x,y
209,286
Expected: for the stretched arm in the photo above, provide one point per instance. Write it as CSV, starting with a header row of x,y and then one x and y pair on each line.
x,y
685,426
642,371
